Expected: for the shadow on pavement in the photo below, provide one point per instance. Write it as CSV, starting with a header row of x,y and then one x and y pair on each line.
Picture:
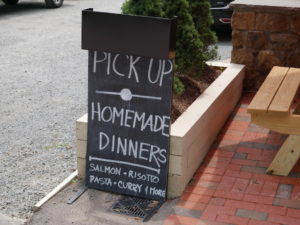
x,y
223,34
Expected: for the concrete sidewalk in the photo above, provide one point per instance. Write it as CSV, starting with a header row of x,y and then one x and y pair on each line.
x,y
93,207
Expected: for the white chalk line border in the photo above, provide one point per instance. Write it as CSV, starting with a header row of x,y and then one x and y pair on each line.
x,y
132,95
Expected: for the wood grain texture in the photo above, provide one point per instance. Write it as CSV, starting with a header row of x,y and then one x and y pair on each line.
x,y
282,124
81,148
81,128
286,157
177,184
208,113
270,108
285,95
267,91
81,167
177,164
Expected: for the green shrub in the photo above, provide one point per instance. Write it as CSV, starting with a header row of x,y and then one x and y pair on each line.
x,y
188,45
178,86
144,7
200,11
194,39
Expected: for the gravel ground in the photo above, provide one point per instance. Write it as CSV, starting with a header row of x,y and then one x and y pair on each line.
x,y
43,86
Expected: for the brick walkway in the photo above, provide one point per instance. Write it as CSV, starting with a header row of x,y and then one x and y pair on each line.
x,y
231,187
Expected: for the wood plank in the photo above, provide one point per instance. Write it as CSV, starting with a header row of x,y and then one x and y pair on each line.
x,y
81,148
206,116
81,167
285,95
286,157
267,91
282,124
60,187
178,164
81,128
176,185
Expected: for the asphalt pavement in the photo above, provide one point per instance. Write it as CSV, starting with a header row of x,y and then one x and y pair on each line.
x,y
43,90
43,86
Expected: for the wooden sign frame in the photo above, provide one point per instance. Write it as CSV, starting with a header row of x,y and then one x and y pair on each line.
x,y
129,103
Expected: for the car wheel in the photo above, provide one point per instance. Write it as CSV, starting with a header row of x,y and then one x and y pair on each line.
x,y
54,3
10,2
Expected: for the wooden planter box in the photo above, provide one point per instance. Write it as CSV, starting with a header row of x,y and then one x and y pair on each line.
x,y
193,132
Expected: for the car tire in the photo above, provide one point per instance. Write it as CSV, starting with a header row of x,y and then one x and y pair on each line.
x,y
10,2
54,3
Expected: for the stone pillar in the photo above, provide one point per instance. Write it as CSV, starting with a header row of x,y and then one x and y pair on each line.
x,y
265,34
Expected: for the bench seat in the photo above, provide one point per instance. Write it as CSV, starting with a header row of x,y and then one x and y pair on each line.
x,y
272,107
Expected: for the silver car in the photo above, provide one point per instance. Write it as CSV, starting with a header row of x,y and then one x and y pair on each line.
x,y
49,3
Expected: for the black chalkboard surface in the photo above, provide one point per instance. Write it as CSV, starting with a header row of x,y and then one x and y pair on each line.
x,y
129,103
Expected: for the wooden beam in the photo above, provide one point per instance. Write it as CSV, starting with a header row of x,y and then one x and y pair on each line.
x,y
282,124
60,187
286,157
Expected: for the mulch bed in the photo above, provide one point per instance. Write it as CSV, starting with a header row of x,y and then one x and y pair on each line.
x,y
194,86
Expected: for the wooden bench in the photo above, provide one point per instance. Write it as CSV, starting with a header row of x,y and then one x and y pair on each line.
x,y
272,108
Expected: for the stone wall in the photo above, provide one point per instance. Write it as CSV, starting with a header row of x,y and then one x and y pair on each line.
x,y
264,34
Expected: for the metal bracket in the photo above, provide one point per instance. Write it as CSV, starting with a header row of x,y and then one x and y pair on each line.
x,y
77,194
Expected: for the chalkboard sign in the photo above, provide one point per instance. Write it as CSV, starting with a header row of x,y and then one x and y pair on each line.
x,y
128,124
129,105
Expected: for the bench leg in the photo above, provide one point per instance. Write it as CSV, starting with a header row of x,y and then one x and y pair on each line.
x,y
286,157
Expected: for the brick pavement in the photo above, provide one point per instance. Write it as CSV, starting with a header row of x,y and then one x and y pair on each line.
x,y
231,186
